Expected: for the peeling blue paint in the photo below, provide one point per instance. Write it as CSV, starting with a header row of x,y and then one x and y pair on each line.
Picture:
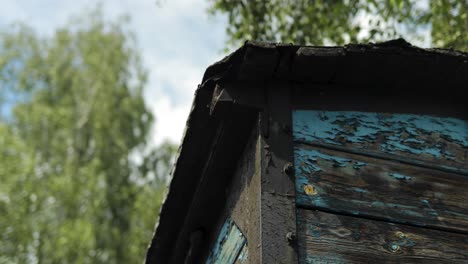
x,y
316,200
307,160
400,176
228,245
406,209
449,155
414,140
307,164
359,164
402,132
323,199
359,190
415,137
429,210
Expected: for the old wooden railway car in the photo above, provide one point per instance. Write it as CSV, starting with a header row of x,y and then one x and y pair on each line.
x,y
293,154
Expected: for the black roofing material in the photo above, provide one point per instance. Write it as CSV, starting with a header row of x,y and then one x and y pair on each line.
x,y
391,68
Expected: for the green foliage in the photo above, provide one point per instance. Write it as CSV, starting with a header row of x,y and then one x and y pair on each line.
x,y
320,22
73,127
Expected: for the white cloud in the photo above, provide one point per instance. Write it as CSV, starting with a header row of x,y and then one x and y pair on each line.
x,y
178,42
170,120
177,78
169,94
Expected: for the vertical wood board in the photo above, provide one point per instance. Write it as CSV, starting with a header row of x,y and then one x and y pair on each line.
x,y
278,205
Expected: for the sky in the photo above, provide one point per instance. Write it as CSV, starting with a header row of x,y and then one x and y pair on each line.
x,y
177,39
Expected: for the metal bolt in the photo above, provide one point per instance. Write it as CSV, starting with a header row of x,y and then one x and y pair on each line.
x,y
291,237
288,169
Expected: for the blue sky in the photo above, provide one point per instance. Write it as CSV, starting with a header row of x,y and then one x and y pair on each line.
x,y
178,40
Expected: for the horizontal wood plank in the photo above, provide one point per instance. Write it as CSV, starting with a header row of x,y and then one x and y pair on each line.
x,y
358,185
437,141
330,238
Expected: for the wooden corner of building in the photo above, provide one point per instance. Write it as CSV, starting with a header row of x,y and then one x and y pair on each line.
x,y
278,210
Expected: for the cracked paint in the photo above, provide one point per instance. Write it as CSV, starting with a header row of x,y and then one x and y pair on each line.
x,y
418,135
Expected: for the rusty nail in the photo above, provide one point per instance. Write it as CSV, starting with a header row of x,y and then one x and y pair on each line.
x,y
288,168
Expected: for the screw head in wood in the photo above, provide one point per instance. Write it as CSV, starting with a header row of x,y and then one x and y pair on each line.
x,y
291,237
288,169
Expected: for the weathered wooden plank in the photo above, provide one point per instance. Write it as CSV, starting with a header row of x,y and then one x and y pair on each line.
x,y
228,245
243,257
330,238
359,185
439,141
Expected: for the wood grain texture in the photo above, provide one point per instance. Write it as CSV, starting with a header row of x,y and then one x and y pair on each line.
x,y
359,185
228,246
438,141
243,257
278,206
330,238
243,202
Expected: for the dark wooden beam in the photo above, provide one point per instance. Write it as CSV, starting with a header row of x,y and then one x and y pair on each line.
x,y
278,208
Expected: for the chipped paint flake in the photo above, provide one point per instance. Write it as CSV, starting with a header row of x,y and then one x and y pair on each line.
x,y
358,190
407,133
310,190
400,176
359,164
